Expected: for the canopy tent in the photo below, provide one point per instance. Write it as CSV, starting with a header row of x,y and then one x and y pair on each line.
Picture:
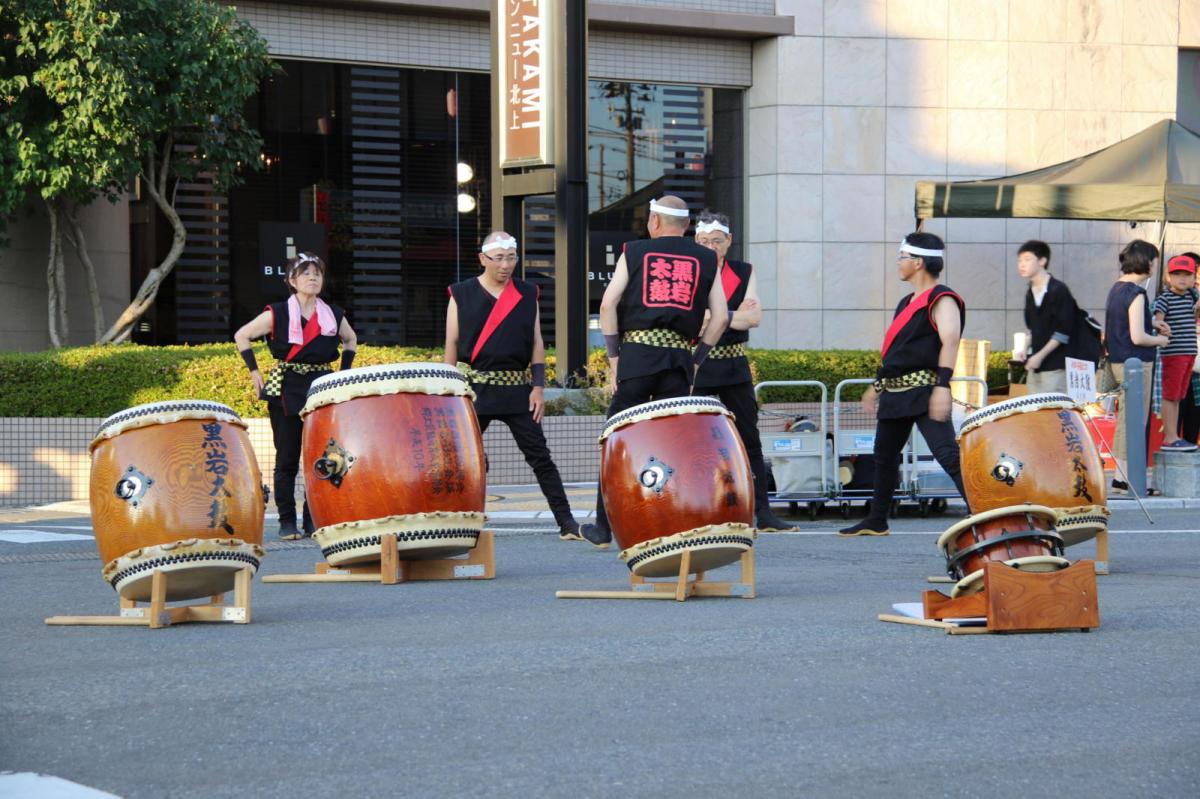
x,y
1151,176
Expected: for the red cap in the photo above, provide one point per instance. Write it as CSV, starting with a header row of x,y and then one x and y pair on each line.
x,y
1181,263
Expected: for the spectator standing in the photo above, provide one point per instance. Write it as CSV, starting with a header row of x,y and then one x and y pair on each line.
x,y
1177,308
1129,332
1049,319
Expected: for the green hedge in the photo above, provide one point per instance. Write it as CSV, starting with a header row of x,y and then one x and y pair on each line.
x,y
101,380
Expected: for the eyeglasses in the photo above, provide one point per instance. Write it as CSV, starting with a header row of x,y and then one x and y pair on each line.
x,y
503,259
900,258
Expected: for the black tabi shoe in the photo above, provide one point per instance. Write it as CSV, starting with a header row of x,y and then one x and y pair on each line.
x,y
767,522
597,536
570,532
865,527
288,531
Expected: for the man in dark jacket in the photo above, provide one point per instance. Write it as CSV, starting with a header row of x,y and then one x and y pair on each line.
x,y
1049,319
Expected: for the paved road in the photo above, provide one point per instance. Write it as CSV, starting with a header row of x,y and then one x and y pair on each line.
x,y
498,689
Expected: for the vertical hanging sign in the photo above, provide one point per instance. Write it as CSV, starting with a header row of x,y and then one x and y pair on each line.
x,y
524,52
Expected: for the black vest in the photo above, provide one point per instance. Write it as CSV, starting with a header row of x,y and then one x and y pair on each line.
x,y
669,281
321,350
916,346
717,372
508,347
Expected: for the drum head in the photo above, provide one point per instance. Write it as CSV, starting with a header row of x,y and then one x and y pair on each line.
x,y
1077,525
195,567
153,413
711,547
973,582
437,379
1041,511
1026,404
658,408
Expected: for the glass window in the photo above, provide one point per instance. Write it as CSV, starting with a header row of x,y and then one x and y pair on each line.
x,y
1187,105
644,140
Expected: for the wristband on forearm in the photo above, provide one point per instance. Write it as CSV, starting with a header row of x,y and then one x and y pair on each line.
x,y
701,353
539,375
347,358
612,343
944,373
248,356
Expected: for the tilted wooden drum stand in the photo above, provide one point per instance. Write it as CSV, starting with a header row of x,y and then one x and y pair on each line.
x,y
478,564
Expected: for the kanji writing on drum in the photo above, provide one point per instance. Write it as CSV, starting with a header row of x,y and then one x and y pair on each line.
x,y
217,464
442,446
1074,444
670,280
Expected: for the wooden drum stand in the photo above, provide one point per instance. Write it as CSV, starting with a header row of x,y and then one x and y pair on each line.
x,y
680,587
157,614
478,564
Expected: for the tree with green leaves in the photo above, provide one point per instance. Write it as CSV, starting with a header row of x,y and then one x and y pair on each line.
x,y
63,97
96,93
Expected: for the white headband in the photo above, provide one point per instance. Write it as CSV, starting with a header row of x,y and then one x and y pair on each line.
x,y
304,258
655,208
912,249
500,244
709,227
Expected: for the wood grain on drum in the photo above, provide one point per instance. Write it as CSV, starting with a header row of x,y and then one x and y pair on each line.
x,y
182,490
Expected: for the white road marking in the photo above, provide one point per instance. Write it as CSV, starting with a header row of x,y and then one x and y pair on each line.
x,y
39,536
43,786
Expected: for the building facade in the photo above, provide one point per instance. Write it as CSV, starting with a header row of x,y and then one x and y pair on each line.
x,y
808,121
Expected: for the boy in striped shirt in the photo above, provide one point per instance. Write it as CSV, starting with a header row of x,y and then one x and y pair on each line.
x,y
1178,308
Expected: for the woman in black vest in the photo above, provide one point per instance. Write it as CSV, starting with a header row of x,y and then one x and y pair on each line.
x,y
726,372
303,335
912,386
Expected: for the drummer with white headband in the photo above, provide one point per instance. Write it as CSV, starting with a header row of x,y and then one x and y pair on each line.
x,y
912,386
726,372
494,335
651,315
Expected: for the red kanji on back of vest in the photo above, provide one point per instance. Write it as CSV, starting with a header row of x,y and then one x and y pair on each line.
x,y
669,281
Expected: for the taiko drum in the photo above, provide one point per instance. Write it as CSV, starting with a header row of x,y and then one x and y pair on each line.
x,y
675,478
393,449
1022,536
1035,449
175,487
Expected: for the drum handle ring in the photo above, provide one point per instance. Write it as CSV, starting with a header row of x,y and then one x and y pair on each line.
x,y
333,464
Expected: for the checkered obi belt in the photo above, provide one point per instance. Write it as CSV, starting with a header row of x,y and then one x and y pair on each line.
x,y
921,379
499,377
657,337
273,385
728,351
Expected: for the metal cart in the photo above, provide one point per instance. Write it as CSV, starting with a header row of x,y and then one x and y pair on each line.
x,y
800,461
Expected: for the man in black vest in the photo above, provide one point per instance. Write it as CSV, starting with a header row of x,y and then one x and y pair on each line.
x,y
494,334
912,386
726,373
652,311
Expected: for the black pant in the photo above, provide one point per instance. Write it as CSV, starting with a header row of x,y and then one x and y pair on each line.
x,y
532,443
1189,416
890,437
287,431
740,400
632,391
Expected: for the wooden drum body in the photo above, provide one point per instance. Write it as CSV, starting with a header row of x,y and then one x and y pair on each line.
x,y
1035,449
1022,536
393,449
675,477
175,487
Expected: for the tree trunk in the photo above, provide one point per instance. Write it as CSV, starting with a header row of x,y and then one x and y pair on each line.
x,y
75,235
154,180
55,300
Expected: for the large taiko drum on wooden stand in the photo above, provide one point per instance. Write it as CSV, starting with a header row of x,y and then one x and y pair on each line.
x,y
175,487
676,478
1035,449
1022,536
393,449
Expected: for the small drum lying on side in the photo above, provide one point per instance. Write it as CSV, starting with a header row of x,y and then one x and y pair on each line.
x,y
393,449
1022,536
175,487
1035,449
675,477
